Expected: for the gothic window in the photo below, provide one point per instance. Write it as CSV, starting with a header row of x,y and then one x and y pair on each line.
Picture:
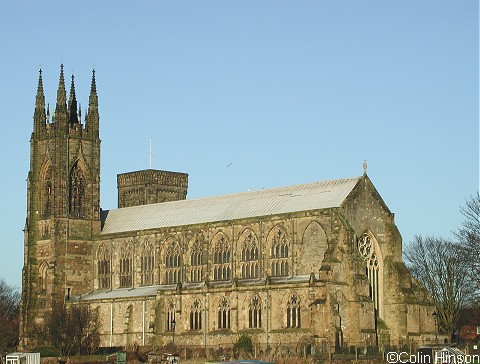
x,y
147,264
170,318
249,260
43,274
367,250
279,254
255,313
77,191
103,268
293,312
126,269
196,265
46,194
223,314
222,270
196,316
173,264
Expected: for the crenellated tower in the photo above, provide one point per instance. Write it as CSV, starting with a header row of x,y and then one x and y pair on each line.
x,y
63,203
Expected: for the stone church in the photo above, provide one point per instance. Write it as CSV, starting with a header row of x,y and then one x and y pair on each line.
x,y
311,266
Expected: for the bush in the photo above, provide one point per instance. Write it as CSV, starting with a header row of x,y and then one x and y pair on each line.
x,y
243,345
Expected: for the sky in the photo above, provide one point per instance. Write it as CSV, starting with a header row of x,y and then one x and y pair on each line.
x,y
255,94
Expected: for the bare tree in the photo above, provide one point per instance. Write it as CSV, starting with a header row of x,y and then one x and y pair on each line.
x,y
440,266
9,317
72,329
469,235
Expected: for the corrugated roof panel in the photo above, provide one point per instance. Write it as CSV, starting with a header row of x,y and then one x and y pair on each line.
x,y
313,196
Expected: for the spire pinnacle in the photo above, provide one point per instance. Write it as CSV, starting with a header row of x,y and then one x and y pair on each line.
x,y
39,114
40,99
72,103
93,100
92,118
61,107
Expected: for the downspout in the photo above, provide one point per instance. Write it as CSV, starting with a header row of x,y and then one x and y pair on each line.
x,y
143,322
111,323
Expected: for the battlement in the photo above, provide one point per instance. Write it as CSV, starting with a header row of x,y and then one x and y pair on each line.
x,y
150,186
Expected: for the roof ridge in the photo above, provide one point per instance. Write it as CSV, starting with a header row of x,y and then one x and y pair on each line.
x,y
343,180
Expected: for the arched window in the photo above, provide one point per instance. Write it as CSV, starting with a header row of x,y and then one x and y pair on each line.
x,y
77,191
373,270
279,256
249,261
126,269
196,262
222,270
255,313
293,312
170,318
44,277
223,314
103,268
173,263
147,264
196,316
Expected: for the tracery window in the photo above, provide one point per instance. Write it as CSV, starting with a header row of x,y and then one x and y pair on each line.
x,y
77,191
222,270
170,318
103,268
279,254
372,270
173,264
126,269
196,264
147,264
249,260
196,316
223,314
293,312
255,313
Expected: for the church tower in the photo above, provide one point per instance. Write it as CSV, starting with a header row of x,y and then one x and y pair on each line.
x,y
63,204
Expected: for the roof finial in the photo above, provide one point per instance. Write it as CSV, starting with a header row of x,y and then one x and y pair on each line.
x,y
365,167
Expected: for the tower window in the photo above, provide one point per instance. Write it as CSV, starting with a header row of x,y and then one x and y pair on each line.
x,y
77,192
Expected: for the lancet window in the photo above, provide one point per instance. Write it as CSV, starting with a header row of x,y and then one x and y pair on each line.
x,y
222,270
366,248
196,316
126,269
43,273
173,264
223,314
279,251
170,318
196,264
255,313
249,259
293,312
77,191
147,264
103,268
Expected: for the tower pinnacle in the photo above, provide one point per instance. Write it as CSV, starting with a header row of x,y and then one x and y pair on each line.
x,y
72,104
39,114
61,107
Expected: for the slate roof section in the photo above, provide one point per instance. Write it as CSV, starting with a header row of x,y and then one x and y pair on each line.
x,y
305,197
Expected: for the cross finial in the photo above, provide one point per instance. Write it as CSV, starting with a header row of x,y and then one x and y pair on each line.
x,y
364,167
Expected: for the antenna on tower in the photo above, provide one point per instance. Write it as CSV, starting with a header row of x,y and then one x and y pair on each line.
x,y
150,157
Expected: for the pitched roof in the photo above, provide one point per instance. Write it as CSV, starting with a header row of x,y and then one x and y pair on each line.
x,y
305,197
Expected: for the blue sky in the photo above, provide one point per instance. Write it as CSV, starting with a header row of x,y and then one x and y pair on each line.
x,y
285,92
